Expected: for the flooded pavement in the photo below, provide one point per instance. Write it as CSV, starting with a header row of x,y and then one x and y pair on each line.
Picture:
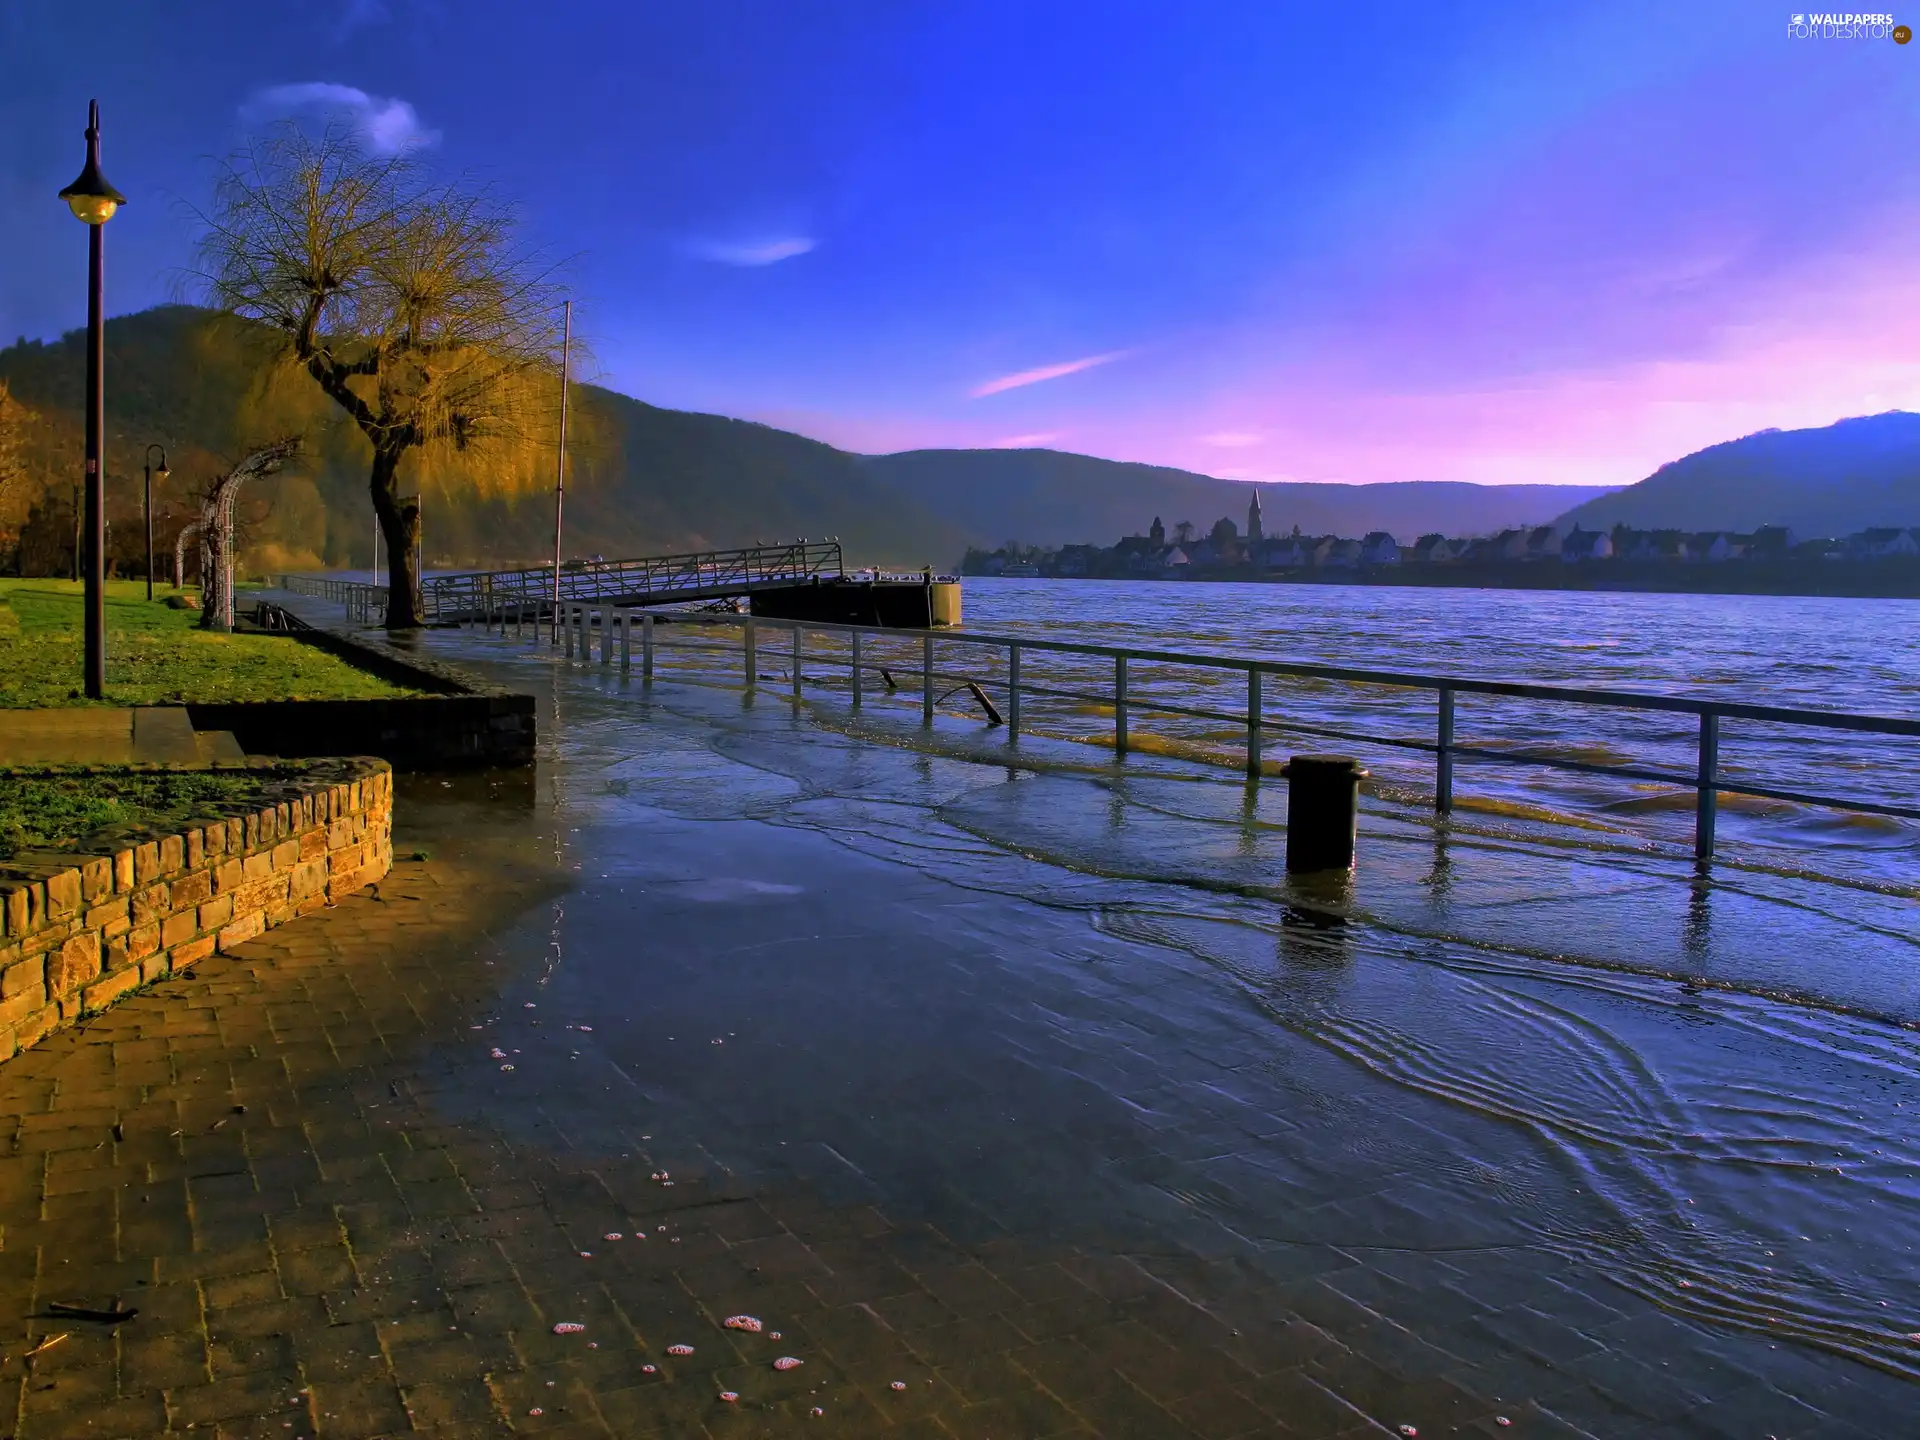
x,y
1018,1100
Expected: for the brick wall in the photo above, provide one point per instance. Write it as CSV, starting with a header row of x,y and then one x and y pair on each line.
x,y
79,931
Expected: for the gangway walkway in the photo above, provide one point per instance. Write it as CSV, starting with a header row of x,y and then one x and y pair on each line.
x,y
529,593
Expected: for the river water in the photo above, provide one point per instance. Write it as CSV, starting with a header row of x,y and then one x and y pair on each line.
x,y
1819,653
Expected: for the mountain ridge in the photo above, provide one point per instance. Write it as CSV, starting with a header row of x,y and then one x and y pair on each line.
x,y
642,478
1824,480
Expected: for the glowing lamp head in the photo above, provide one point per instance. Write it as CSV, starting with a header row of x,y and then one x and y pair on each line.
x,y
92,197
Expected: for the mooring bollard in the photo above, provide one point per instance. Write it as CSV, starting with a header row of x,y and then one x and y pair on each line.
x,y
1323,812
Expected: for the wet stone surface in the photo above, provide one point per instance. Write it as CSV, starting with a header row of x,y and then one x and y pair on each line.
x,y
996,1145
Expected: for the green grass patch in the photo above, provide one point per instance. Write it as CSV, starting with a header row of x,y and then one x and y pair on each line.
x,y
61,809
156,655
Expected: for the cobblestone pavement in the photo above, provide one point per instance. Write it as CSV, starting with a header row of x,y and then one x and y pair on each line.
x,y
988,1169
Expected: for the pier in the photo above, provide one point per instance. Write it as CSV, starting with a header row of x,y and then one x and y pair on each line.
x,y
797,580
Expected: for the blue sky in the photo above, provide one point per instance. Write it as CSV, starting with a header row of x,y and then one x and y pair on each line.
x,y
1493,242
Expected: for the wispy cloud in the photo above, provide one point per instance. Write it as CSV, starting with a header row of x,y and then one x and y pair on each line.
x,y
1046,372
1025,442
752,252
1232,439
386,125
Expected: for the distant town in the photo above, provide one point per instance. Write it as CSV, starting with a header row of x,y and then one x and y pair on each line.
x,y
1887,559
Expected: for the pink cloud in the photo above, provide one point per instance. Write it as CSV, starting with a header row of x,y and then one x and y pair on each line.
x,y
1046,372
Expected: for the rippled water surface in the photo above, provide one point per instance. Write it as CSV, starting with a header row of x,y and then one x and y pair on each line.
x,y
1533,1037
1830,654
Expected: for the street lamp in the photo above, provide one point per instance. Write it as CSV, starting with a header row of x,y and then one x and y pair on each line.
x,y
93,201
146,503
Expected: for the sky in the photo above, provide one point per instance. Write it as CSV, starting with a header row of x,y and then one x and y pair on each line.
x,y
1487,242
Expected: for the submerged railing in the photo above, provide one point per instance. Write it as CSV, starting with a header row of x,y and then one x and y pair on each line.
x,y
616,626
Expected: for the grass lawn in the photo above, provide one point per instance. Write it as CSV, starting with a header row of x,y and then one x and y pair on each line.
x,y
155,655
56,810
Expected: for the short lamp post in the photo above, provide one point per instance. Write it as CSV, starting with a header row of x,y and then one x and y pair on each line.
x,y
93,201
146,503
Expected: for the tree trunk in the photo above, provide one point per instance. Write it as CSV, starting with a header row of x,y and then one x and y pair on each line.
x,y
216,560
400,528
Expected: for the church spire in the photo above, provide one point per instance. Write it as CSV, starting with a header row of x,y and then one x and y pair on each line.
x,y
1254,533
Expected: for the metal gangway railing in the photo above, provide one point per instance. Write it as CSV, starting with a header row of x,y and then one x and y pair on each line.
x,y
697,575
1011,676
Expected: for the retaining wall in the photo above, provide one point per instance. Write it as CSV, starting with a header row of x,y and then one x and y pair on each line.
x,y
77,931
460,722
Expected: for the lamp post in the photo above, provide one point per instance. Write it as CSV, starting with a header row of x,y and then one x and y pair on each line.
x,y
146,503
93,201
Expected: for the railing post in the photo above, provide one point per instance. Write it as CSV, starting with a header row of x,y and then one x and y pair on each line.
x,y
926,680
646,646
1443,774
1119,705
798,633
1706,796
856,669
1254,710
1013,693
746,646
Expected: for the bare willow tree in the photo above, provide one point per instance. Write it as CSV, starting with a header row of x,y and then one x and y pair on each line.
x,y
407,300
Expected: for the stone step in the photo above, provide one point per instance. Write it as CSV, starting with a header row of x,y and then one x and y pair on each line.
x,y
162,734
218,747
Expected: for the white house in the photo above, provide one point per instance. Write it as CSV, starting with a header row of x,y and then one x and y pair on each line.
x,y
1379,548
1883,543
1586,545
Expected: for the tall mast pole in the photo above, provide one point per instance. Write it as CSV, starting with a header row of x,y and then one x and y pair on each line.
x,y
560,468
96,533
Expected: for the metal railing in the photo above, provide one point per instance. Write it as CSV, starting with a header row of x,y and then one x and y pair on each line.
x,y
365,603
1708,780
698,575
